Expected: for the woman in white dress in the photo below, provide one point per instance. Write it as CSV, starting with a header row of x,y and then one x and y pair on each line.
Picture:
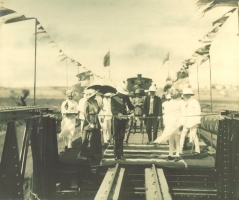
x,y
69,111
173,121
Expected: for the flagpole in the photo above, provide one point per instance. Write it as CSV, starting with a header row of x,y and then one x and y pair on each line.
x,y
35,61
198,82
109,64
210,81
66,75
211,151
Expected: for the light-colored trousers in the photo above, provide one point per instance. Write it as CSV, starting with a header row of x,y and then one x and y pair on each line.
x,y
106,127
193,138
174,140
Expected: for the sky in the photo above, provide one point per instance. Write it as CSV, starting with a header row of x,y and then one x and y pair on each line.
x,y
138,33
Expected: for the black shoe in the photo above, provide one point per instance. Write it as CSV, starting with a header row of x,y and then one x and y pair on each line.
x,y
169,158
196,154
116,158
176,159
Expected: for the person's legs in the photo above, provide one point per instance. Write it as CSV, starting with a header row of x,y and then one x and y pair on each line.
x,y
194,136
130,125
177,142
117,128
121,139
183,134
148,128
108,130
155,128
171,144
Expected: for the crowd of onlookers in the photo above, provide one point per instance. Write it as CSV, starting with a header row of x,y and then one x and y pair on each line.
x,y
105,118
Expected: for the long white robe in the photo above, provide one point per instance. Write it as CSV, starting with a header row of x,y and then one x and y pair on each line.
x,y
69,114
172,119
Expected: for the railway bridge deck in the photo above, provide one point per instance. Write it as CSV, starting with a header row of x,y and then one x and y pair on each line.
x,y
144,175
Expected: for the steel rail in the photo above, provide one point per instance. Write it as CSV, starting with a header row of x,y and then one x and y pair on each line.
x,y
156,186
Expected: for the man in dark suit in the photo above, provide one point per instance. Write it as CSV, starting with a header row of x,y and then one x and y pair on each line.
x,y
152,112
119,104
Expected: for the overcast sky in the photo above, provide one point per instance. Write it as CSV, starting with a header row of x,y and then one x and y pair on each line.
x,y
138,33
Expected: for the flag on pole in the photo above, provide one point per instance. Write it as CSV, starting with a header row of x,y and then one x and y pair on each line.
x,y
204,59
18,19
224,18
204,50
5,11
84,75
107,59
166,58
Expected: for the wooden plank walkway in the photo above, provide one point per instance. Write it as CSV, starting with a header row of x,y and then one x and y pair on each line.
x,y
137,152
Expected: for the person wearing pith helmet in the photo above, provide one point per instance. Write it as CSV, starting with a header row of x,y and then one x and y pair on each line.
x,y
138,103
152,110
192,116
119,104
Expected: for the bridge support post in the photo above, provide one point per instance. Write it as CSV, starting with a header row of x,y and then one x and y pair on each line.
x,y
227,159
45,158
11,184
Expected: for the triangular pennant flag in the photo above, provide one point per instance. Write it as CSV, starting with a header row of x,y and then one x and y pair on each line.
x,y
107,60
166,58
40,32
204,59
215,3
203,50
224,18
40,28
63,58
5,11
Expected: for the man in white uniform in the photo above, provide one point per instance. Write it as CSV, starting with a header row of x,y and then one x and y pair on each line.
x,y
192,115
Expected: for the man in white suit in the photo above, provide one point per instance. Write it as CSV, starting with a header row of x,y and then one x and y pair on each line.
x,y
192,115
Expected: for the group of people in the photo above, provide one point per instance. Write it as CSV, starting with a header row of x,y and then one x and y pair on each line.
x,y
181,116
110,113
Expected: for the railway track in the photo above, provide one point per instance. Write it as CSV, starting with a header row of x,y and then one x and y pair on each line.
x,y
112,186
150,183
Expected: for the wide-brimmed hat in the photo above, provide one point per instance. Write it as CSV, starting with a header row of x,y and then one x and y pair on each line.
x,y
152,89
90,92
188,91
122,88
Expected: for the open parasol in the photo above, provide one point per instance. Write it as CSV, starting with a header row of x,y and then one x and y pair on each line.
x,y
103,85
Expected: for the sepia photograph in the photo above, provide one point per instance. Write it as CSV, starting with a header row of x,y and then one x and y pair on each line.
x,y
128,100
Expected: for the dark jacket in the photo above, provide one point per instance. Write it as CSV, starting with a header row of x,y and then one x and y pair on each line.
x,y
157,106
118,105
